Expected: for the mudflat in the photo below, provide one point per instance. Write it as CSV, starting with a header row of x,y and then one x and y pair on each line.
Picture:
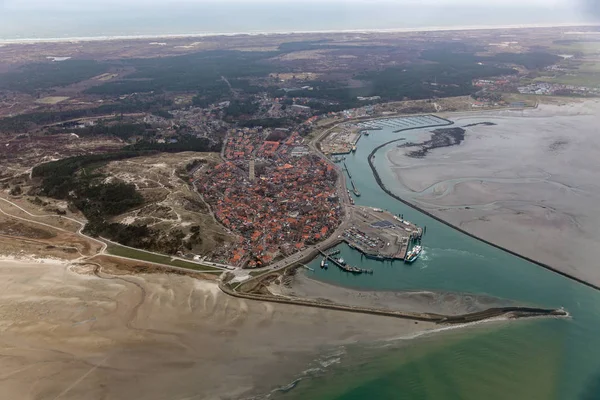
x,y
66,333
525,180
446,303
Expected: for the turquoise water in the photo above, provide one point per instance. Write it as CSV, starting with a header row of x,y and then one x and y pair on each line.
x,y
535,359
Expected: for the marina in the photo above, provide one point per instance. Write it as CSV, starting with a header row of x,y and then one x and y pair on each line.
x,y
400,124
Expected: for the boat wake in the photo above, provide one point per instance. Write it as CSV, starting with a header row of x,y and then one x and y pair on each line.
x,y
460,252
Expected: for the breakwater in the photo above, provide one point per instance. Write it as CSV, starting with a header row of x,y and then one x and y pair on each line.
x,y
509,312
457,228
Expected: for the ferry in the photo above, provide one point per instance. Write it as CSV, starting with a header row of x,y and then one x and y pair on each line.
x,y
412,255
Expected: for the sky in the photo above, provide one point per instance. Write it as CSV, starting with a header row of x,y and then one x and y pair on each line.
x,y
88,5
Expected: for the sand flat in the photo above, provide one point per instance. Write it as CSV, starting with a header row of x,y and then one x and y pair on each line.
x,y
67,334
529,183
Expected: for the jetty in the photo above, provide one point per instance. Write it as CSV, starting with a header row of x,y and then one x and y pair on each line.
x,y
354,188
344,266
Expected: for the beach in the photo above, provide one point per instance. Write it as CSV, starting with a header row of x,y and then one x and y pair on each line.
x,y
100,38
528,183
155,336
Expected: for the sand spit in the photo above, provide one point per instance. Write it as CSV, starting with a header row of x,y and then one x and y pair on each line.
x,y
528,183
67,334
445,303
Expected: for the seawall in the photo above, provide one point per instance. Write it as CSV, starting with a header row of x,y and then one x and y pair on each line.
x,y
429,214
512,312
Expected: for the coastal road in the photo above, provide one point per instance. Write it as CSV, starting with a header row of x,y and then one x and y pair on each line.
x,y
104,245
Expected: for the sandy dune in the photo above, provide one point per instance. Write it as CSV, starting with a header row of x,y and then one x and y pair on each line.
x,y
67,334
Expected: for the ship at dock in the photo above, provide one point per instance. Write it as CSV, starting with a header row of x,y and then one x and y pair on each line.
x,y
413,254
324,264
341,263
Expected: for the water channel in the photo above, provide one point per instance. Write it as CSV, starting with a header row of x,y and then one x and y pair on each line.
x,y
527,359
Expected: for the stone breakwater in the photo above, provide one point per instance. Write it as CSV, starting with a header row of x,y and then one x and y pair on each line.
x,y
509,312
423,211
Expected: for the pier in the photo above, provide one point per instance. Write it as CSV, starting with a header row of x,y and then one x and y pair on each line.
x,y
354,188
346,268
398,124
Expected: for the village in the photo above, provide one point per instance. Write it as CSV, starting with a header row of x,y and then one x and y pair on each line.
x,y
273,193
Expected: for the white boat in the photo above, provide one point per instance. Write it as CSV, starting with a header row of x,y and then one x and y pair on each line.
x,y
413,254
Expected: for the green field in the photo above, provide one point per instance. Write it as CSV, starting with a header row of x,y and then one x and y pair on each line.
x,y
155,258
581,79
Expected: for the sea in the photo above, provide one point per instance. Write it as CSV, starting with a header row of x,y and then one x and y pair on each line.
x,y
526,359
543,358
34,20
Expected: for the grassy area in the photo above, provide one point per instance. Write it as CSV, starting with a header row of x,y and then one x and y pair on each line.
x,y
577,79
155,258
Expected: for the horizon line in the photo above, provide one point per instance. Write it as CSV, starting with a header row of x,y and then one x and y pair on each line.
x,y
291,32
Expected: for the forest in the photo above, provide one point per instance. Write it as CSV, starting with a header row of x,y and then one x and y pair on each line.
x,y
28,122
201,72
33,77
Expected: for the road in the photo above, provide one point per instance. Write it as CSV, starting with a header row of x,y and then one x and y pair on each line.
x,y
104,245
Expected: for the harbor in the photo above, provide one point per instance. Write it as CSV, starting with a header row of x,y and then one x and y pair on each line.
x,y
354,188
380,235
341,264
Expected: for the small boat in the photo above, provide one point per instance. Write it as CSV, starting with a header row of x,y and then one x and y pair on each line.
x,y
341,261
354,148
366,133
324,264
413,254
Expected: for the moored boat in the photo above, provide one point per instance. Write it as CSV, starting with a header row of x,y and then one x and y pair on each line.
x,y
413,254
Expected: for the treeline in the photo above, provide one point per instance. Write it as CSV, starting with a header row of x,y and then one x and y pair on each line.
x,y
137,236
53,172
39,76
123,131
191,72
238,108
184,143
73,179
267,123
69,166
25,122
530,60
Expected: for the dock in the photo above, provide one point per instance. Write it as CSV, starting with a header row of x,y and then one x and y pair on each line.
x,y
380,235
346,268
354,188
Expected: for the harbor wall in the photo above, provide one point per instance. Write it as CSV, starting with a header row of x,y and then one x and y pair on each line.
x,y
429,214
512,312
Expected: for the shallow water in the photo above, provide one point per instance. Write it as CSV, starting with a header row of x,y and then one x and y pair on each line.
x,y
534,359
